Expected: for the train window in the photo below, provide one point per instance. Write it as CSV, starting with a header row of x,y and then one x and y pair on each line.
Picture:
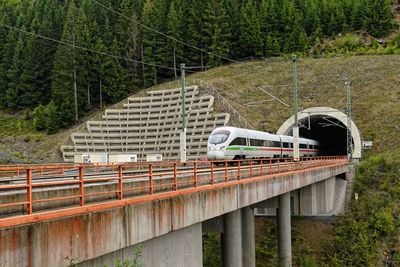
x,y
267,143
271,143
285,144
256,142
219,137
238,141
291,145
303,145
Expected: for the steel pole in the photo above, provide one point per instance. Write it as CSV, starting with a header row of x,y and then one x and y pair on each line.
x,y
296,123
349,137
183,133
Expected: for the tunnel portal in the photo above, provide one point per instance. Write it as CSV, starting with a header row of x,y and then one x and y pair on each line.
x,y
327,125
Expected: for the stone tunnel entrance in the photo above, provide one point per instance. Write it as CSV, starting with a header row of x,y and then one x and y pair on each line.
x,y
327,125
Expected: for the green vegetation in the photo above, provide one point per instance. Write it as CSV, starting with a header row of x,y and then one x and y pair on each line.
x,y
212,255
35,71
15,126
368,232
127,262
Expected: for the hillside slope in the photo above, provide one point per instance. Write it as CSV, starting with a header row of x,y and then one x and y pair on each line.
x,y
375,96
321,82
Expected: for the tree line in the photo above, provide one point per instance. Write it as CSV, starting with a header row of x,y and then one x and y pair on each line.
x,y
63,82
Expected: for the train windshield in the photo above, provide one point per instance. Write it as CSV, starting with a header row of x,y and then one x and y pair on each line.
x,y
219,137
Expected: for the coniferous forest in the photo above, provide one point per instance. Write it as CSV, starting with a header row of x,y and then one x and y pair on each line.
x,y
50,49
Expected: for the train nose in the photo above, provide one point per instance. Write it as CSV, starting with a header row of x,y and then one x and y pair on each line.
x,y
215,155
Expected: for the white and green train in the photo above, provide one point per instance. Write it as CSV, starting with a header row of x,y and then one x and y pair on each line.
x,y
228,143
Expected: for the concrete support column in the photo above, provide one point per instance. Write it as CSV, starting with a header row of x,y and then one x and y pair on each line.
x,y
284,231
232,240
248,237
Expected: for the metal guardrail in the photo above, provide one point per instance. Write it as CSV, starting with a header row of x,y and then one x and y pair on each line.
x,y
157,181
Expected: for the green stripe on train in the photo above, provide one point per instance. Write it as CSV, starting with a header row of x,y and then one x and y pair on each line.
x,y
245,148
233,148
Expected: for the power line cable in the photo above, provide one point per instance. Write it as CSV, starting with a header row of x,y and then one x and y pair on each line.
x,y
163,34
86,49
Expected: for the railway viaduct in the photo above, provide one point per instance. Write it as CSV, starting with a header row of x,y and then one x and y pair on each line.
x,y
169,223
168,214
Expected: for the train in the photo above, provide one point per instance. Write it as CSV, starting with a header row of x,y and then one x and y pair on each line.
x,y
232,143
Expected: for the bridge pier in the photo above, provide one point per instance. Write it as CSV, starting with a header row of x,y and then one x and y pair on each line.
x,y
248,237
232,239
284,231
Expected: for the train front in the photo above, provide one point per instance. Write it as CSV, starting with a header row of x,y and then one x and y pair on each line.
x,y
217,143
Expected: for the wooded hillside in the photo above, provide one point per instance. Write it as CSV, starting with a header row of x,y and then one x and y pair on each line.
x,y
53,43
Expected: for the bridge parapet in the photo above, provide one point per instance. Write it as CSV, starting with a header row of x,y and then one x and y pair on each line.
x,y
125,222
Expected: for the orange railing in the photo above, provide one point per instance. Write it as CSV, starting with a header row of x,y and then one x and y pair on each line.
x,y
77,189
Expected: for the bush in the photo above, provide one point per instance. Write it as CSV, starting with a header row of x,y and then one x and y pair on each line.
x,y
359,235
39,121
52,124
27,114
349,42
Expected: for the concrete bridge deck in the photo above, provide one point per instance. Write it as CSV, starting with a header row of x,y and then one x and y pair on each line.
x,y
172,202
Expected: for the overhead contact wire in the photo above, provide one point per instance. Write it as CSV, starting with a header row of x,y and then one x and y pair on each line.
x,y
84,48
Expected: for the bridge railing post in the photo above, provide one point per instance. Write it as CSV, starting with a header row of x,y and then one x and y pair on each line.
x,y
291,164
175,180
285,166
150,179
29,190
279,163
226,171
212,173
120,182
195,173
261,167
251,168
238,169
270,166
81,200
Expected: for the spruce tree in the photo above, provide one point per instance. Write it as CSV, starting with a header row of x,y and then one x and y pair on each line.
x,y
233,10
250,38
357,16
63,94
152,42
85,62
52,122
378,18
113,75
194,35
175,28
40,116
7,40
216,26
14,91
129,42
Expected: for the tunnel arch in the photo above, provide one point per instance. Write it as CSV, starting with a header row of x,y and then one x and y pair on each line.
x,y
315,113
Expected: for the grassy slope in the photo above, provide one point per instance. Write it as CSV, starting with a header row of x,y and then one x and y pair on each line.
x,y
375,91
376,112
375,98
